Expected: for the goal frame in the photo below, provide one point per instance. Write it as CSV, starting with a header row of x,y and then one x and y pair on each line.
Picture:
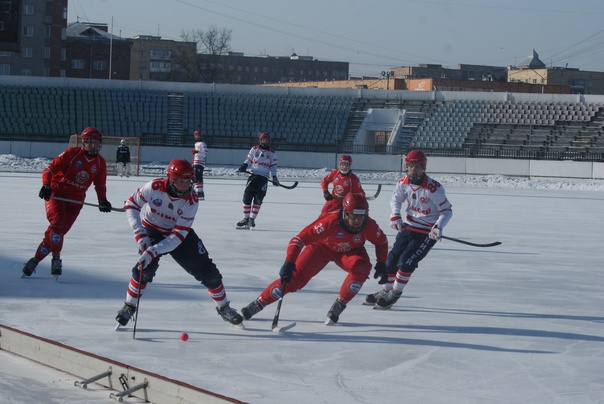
x,y
108,148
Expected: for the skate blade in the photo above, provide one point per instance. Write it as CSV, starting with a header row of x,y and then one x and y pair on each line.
x,y
239,326
329,321
368,304
243,227
284,328
376,307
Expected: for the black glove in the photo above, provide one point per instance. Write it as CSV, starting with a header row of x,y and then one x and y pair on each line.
x,y
243,168
380,272
104,206
45,192
275,181
327,195
286,271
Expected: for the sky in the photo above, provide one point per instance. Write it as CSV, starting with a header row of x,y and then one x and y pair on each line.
x,y
374,36
520,322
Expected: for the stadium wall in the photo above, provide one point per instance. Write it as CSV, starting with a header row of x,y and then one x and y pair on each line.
x,y
361,162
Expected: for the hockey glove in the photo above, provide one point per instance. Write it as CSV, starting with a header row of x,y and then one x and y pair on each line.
x,y
45,192
142,239
435,233
380,272
275,181
396,222
149,255
104,206
327,195
194,152
287,271
243,168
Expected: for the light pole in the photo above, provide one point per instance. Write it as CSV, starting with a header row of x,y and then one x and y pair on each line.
x,y
387,75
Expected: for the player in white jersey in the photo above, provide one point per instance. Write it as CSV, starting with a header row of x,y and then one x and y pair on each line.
x,y
161,214
261,161
200,152
427,212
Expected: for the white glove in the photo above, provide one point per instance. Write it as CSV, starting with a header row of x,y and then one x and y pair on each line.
x,y
142,239
145,258
435,233
396,222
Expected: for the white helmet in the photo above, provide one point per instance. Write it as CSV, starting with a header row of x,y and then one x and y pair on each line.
x,y
123,142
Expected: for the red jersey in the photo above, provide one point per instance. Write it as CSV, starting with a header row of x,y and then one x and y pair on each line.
x,y
72,172
328,231
343,184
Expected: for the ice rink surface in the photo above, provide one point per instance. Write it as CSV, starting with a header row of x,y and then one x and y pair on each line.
x,y
520,322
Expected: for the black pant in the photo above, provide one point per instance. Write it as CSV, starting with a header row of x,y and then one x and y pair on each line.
x,y
255,190
191,255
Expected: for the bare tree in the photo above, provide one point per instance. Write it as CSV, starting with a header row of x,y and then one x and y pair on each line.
x,y
210,44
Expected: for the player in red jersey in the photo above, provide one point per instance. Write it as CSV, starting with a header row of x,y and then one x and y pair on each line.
x,y
69,176
337,237
344,182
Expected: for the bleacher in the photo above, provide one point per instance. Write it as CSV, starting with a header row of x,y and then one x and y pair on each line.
x,y
454,124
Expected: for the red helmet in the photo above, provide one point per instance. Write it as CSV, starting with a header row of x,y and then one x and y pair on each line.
x,y
416,156
345,163
91,132
355,204
197,133
265,135
180,169
345,158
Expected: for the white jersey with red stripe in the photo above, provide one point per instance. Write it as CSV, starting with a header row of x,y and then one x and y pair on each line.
x,y
426,204
151,207
262,161
200,152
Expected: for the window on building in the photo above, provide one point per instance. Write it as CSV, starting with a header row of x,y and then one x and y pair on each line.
x,y
48,31
28,9
26,72
4,70
160,54
78,64
27,52
63,54
28,30
47,52
99,65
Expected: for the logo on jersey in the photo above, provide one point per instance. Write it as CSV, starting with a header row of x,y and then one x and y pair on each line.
x,y
93,169
157,202
171,206
78,164
357,239
56,238
339,235
343,247
179,212
82,177
354,287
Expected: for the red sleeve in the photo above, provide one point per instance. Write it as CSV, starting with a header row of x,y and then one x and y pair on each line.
x,y
376,236
356,185
100,181
317,230
327,180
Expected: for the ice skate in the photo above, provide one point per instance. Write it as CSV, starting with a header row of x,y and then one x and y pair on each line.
x,y
333,315
201,196
125,314
386,301
251,223
56,267
29,268
229,314
371,299
244,224
252,309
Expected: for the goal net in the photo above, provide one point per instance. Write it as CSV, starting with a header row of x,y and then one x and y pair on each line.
x,y
109,149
